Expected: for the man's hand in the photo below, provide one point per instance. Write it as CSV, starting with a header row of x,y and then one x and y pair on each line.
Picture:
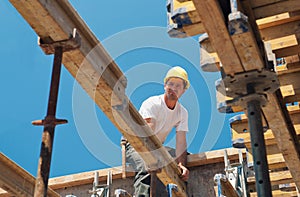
x,y
185,172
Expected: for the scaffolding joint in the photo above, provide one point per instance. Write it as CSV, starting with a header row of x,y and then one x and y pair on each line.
x,y
49,46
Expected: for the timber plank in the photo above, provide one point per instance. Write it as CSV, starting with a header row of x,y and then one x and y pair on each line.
x,y
287,51
286,29
274,7
212,157
280,177
278,193
278,19
284,133
86,177
16,181
283,42
100,77
248,51
241,126
275,161
213,21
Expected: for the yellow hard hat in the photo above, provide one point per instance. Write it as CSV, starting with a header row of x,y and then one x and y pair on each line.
x,y
179,72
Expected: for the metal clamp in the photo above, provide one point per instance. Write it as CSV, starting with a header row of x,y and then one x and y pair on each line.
x,y
48,45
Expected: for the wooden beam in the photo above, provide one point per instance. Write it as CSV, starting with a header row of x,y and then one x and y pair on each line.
x,y
286,29
16,181
268,8
240,126
278,193
287,51
284,132
291,79
212,157
101,78
248,51
280,177
213,21
277,20
86,177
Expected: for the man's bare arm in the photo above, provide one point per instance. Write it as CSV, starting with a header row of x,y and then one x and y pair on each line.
x,y
181,153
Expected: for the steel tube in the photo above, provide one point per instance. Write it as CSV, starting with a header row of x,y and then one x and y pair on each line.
x,y
41,184
263,185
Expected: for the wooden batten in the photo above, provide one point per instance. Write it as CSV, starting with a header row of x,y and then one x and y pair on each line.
x,y
265,8
213,21
16,181
277,20
278,193
287,51
211,157
281,177
279,31
86,177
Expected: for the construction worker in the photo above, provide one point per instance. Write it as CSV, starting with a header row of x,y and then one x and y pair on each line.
x,y
163,113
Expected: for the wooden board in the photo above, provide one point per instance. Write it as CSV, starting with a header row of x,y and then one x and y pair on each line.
x,y
86,177
281,177
279,31
213,21
278,193
284,133
16,181
278,19
212,157
240,126
266,8
247,48
101,78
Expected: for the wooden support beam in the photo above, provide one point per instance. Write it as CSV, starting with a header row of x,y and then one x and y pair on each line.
x,y
101,78
280,177
86,177
292,80
287,51
266,8
16,181
277,20
240,126
278,193
212,157
278,31
214,24
284,132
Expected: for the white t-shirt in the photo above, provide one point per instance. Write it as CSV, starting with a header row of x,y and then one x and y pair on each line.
x,y
165,118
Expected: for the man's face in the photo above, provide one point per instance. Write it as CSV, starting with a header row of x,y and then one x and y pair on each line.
x,y
174,88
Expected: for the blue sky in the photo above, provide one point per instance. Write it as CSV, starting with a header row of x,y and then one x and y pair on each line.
x,y
136,37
